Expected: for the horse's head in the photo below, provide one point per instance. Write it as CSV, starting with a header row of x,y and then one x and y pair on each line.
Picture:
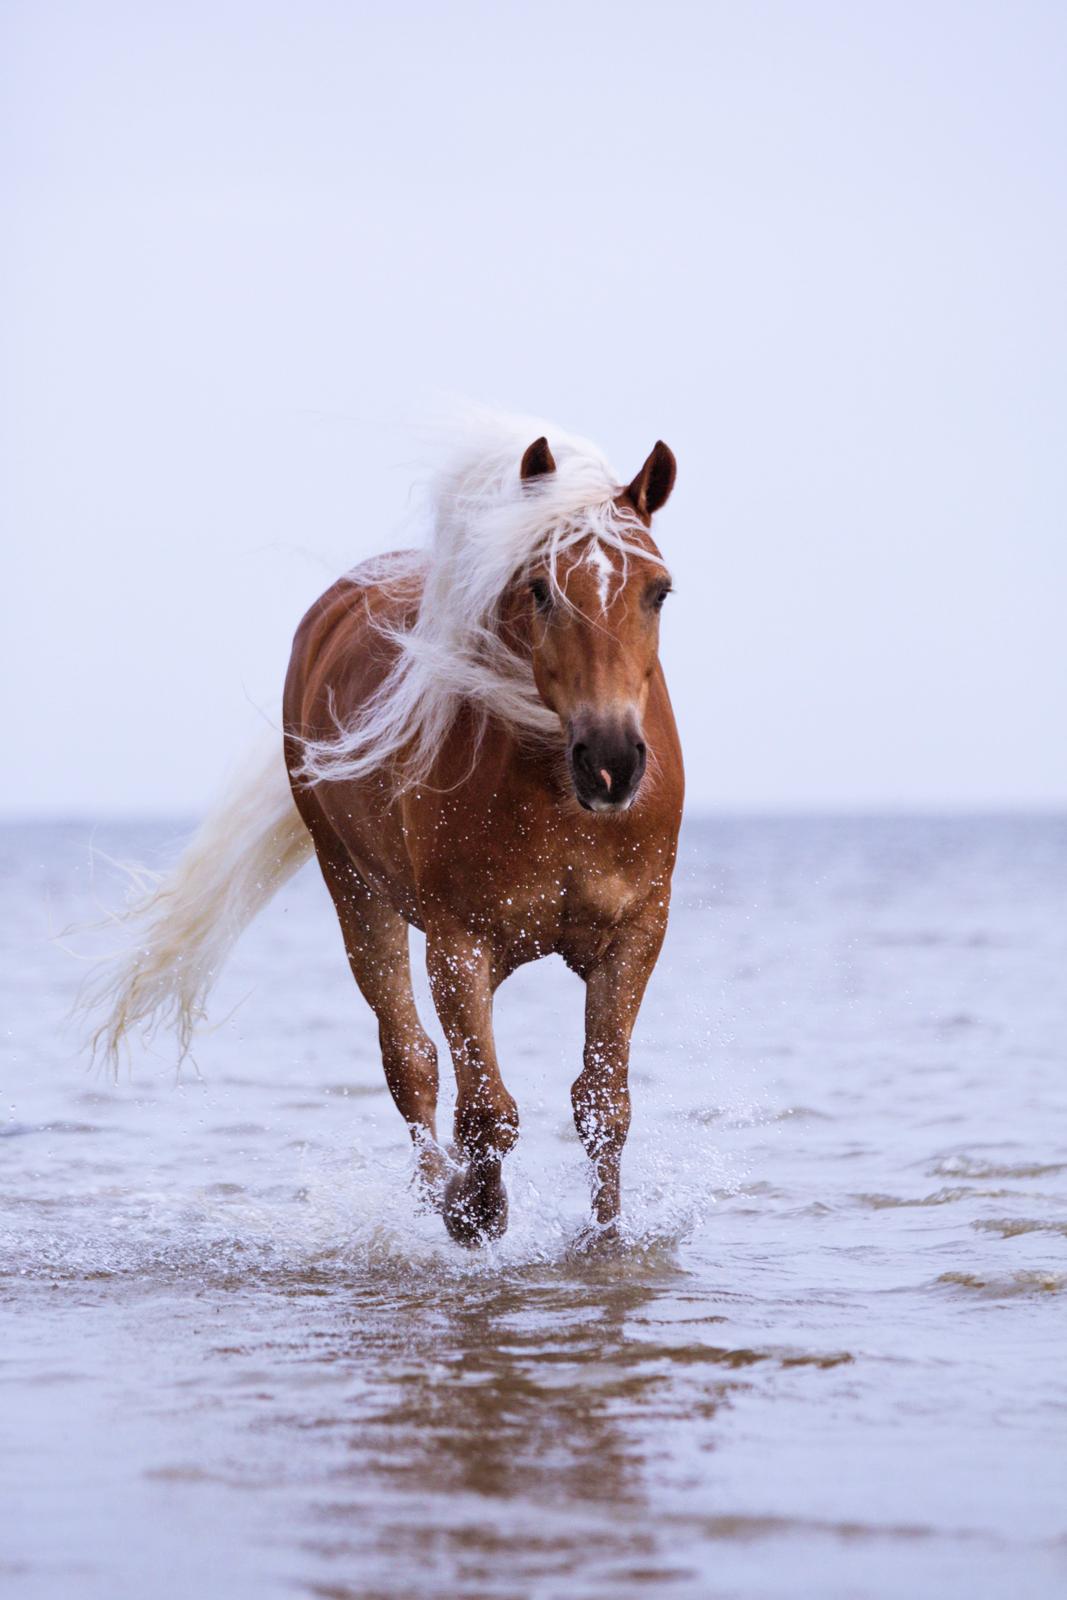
x,y
595,635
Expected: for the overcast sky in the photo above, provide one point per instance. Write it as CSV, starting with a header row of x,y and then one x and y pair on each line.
x,y
821,249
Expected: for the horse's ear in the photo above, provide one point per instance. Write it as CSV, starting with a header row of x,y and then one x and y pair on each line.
x,y
652,487
537,462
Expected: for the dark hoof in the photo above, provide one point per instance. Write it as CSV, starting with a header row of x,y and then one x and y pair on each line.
x,y
475,1211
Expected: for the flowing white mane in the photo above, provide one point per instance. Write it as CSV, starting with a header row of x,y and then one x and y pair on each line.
x,y
487,530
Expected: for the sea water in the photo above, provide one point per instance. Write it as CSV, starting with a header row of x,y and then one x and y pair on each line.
x,y
829,1360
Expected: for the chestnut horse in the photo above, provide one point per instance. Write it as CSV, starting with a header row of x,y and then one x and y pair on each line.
x,y
480,744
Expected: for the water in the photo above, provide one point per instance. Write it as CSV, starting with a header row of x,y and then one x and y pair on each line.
x,y
236,1359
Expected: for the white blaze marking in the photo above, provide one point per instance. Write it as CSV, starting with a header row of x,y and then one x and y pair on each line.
x,y
604,568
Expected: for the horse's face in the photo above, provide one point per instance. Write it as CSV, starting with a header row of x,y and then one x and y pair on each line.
x,y
595,639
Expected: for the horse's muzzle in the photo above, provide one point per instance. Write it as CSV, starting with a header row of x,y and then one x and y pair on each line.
x,y
607,762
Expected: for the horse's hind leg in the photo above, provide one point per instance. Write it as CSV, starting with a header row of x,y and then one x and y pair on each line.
x,y
376,943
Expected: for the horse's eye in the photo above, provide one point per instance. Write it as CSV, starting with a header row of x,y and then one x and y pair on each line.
x,y
658,595
542,594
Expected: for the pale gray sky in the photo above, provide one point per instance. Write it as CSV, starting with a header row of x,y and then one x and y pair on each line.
x,y
819,248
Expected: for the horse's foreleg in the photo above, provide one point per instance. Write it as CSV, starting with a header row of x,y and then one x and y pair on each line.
x,y
487,1120
601,1092
376,943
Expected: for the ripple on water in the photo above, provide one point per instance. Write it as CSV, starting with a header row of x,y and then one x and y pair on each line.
x,y
1015,1227
1006,1286
735,1117
964,1166
20,1130
943,1197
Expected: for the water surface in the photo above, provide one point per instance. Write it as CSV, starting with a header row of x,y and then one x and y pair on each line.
x,y
238,1361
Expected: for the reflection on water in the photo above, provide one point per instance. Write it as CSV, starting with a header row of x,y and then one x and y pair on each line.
x,y
828,1358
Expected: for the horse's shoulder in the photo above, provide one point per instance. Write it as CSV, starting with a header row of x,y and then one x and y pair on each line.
x,y
360,608
342,646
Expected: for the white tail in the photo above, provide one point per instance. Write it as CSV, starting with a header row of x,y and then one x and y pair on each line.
x,y
184,924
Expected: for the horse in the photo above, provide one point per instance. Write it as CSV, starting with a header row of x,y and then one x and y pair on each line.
x,y
479,743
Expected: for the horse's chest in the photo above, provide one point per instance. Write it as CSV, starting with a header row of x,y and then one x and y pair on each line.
x,y
543,882
568,907
600,898
574,912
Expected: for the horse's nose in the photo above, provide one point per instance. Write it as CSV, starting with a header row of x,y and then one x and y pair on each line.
x,y
607,764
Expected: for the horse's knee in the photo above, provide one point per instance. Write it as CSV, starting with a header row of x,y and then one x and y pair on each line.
x,y
601,1101
411,1073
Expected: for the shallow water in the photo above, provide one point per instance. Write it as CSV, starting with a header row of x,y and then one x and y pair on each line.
x,y
830,1360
